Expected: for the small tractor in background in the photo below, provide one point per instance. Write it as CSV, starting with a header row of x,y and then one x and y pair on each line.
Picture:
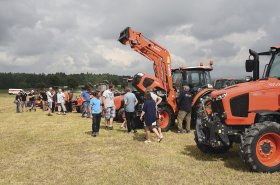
x,y
225,82
246,113
166,82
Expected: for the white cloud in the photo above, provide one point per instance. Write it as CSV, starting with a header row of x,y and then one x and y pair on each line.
x,y
81,36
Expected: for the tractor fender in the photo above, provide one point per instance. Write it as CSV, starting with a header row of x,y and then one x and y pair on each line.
x,y
264,113
200,94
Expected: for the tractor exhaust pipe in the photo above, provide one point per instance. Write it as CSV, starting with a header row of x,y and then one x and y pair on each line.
x,y
253,64
256,71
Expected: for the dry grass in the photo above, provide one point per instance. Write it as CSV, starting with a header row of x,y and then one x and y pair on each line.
x,y
37,149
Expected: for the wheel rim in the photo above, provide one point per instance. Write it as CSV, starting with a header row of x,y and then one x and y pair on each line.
x,y
268,149
164,120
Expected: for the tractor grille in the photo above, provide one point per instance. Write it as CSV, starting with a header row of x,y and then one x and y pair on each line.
x,y
239,105
217,106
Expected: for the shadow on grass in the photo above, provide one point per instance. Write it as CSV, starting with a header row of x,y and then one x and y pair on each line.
x,y
88,132
231,159
139,137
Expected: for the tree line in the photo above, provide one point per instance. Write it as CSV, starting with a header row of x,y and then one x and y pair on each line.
x,y
40,81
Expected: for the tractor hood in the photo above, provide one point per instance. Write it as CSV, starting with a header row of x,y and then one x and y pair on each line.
x,y
247,87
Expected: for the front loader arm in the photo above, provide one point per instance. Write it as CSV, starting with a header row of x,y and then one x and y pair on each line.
x,y
152,51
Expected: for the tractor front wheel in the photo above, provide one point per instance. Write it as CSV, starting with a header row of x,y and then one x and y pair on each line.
x,y
260,147
165,118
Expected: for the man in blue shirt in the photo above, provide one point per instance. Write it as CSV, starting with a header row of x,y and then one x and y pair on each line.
x,y
130,101
86,96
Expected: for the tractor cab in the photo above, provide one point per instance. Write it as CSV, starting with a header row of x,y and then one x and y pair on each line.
x,y
197,78
272,70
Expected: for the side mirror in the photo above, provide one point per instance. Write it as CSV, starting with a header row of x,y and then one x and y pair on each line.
x,y
250,65
248,78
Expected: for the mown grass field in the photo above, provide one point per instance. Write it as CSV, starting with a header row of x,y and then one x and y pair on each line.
x,y
37,149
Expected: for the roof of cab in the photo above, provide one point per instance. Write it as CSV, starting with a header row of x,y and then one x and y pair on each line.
x,y
205,68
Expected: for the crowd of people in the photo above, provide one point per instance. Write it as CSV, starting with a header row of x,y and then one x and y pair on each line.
x,y
96,104
47,100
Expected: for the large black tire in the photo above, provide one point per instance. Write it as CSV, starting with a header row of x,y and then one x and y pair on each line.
x,y
119,115
261,142
166,118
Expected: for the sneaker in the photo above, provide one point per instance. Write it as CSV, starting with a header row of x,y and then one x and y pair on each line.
x,y
180,131
111,128
160,139
106,127
93,134
147,141
134,131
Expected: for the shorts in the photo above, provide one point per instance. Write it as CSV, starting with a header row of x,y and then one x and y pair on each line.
x,y
150,124
110,112
24,103
155,124
50,104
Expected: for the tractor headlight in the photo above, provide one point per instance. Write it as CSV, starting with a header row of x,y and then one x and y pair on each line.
x,y
209,86
140,74
221,96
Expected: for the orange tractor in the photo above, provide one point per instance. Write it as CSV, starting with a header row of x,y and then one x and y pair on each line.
x,y
246,113
166,82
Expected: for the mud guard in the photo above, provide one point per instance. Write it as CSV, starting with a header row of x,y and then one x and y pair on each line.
x,y
200,94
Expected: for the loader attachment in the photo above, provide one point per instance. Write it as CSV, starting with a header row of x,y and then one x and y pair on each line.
x,y
124,36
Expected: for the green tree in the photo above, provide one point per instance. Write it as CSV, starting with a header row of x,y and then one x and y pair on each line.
x,y
72,83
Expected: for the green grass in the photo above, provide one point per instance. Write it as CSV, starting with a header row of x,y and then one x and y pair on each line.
x,y
37,149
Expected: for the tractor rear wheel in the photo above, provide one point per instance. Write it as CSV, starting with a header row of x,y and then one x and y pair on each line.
x,y
166,117
260,147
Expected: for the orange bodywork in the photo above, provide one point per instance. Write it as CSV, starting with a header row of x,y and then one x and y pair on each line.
x,y
264,95
118,101
80,101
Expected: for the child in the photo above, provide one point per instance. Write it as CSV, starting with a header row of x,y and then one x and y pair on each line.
x,y
95,108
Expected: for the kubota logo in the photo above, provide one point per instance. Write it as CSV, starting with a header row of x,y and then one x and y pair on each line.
x,y
274,84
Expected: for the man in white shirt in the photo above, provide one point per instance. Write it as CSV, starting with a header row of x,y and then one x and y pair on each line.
x,y
109,105
50,100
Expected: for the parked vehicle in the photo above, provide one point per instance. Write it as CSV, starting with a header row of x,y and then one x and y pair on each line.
x,y
246,113
225,82
14,91
166,82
